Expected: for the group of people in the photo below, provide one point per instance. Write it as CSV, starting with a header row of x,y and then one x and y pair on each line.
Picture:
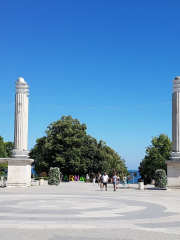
x,y
103,180
115,180
125,181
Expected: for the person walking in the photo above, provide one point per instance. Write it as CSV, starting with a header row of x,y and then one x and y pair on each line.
x,y
99,178
101,182
61,176
118,180
87,178
114,180
128,180
145,181
105,179
93,178
124,181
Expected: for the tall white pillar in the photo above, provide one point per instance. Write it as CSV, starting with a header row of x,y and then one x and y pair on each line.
x,y
173,165
21,120
19,166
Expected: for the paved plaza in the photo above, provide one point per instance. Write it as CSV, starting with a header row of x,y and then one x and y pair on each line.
x,y
80,211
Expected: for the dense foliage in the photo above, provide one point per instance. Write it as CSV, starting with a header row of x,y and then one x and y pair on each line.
x,y
156,155
67,146
5,152
160,178
54,176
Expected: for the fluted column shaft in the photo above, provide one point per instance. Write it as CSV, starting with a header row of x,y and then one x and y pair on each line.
x,y
176,122
175,154
21,115
21,119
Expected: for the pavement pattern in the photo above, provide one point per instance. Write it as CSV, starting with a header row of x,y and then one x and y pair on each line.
x,y
80,211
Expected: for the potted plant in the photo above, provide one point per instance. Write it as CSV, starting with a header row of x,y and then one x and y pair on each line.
x,y
41,180
141,183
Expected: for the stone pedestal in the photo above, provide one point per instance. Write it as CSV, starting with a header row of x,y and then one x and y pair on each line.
x,y
19,172
173,173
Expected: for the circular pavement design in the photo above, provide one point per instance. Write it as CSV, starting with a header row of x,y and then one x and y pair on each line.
x,y
51,211
77,211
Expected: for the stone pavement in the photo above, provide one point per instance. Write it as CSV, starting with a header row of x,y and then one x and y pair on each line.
x,y
80,211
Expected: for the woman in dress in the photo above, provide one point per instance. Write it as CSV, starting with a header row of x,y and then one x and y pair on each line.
x,y
124,181
87,178
93,178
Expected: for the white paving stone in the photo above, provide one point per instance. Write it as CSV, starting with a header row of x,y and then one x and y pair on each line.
x,y
78,210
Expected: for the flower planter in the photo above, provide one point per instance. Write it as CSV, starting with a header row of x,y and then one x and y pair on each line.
x,y
141,185
152,182
41,182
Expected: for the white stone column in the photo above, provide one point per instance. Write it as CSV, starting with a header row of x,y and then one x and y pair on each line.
x,y
19,166
176,118
21,120
173,166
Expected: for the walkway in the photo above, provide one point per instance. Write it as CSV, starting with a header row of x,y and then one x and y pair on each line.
x,y
78,210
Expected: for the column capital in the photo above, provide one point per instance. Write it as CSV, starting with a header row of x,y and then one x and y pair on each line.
x,y
21,86
176,86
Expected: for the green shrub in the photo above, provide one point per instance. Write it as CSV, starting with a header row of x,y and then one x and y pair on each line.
x,y
54,176
160,178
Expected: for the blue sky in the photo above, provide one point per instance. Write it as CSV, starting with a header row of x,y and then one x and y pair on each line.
x,y
108,63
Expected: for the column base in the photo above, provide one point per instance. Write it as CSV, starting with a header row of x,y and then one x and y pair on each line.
x,y
20,154
173,173
19,172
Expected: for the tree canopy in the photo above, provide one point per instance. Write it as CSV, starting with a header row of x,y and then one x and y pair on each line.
x,y
156,155
66,145
5,152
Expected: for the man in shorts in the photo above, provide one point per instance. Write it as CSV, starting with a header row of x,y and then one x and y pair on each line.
x,y
114,180
105,179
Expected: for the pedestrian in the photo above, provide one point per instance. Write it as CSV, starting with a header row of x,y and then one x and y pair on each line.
x,y
61,176
101,182
124,181
128,180
118,180
99,178
145,181
93,178
114,180
105,179
87,178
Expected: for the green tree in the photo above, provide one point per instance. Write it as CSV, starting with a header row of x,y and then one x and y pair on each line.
x,y
156,155
9,146
66,145
114,161
3,154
